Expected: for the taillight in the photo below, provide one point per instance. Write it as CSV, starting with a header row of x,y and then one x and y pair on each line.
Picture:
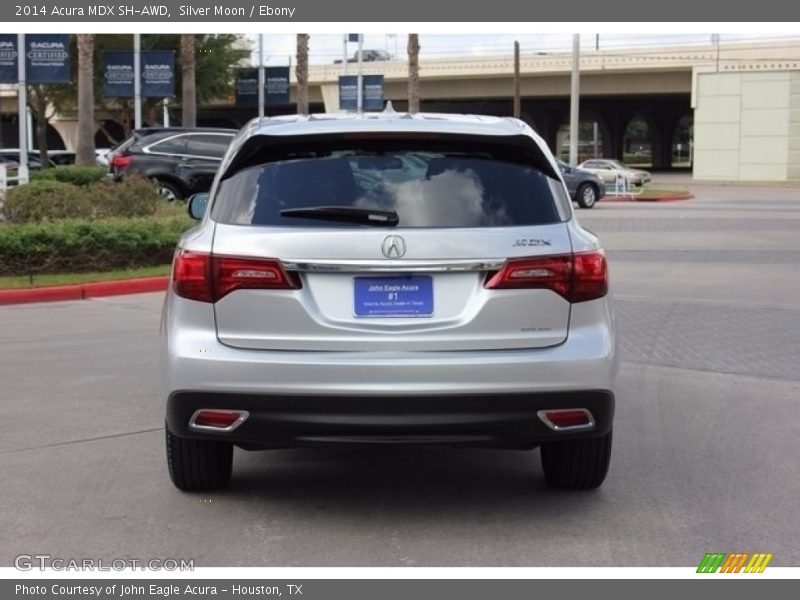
x,y
232,273
547,272
589,276
120,162
206,278
575,277
191,276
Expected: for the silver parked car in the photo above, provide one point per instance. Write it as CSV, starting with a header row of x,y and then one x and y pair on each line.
x,y
387,279
610,170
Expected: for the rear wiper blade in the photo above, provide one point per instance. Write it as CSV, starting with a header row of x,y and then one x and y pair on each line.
x,y
345,214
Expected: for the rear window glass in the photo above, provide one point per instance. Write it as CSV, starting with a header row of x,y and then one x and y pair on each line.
x,y
211,145
173,145
425,189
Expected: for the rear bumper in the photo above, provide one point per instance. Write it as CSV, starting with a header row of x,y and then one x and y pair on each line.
x,y
194,359
496,420
456,397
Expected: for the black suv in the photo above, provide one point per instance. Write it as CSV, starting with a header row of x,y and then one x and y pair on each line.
x,y
182,161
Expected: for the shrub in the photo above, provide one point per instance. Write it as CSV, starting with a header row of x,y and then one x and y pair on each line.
x,y
84,245
50,199
132,197
70,174
45,199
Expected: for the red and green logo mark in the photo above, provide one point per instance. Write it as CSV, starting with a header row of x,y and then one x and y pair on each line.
x,y
737,562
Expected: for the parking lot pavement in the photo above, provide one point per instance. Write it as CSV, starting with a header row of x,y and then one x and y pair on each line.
x,y
704,450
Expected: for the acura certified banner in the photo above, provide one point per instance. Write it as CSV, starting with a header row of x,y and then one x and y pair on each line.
x,y
47,58
247,87
118,74
276,86
371,92
276,81
158,74
8,58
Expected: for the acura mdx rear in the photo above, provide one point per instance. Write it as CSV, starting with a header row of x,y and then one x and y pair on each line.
x,y
388,279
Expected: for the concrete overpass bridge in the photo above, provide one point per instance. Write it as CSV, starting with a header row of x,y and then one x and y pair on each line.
x,y
705,85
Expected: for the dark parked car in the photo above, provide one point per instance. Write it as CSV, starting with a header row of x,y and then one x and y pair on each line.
x,y
34,159
182,161
584,187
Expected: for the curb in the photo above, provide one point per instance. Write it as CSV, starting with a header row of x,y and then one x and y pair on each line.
x,y
59,293
664,198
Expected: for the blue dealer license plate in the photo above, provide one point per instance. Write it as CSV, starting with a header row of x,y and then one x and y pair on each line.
x,y
393,296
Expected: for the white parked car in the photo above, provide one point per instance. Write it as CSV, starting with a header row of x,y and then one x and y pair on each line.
x,y
609,170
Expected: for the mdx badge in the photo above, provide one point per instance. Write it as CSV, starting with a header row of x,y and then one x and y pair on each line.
x,y
531,242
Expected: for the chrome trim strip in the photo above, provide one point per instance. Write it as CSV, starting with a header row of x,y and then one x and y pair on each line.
x,y
243,415
375,266
542,414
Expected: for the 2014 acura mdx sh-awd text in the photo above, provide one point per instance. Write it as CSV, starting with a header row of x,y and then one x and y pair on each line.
x,y
388,279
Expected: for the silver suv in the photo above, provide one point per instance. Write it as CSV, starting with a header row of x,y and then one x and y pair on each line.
x,y
388,279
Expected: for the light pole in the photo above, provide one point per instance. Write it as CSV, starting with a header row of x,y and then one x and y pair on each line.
x,y
260,75
137,80
360,76
575,92
22,98
344,54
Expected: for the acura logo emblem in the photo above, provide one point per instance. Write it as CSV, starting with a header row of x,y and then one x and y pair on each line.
x,y
393,246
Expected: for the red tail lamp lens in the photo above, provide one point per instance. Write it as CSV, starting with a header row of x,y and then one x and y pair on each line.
x,y
200,276
575,277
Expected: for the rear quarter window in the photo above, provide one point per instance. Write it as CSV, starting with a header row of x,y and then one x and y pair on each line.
x,y
173,145
208,145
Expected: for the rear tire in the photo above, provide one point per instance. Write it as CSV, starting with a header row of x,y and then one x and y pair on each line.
x,y
586,195
168,190
198,465
576,464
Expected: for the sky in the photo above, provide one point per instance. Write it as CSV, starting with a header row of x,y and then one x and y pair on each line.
x,y
325,48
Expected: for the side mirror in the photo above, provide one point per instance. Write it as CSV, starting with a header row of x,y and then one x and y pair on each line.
x,y
197,205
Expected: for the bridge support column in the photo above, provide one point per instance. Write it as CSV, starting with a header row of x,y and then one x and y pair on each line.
x,y
663,130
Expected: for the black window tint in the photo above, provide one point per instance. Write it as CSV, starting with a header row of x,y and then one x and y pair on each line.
x,y
426,189
208,145
174,145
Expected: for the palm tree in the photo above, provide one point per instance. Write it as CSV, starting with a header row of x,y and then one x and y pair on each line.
x,y
413,72
301,72
189,99
85,150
